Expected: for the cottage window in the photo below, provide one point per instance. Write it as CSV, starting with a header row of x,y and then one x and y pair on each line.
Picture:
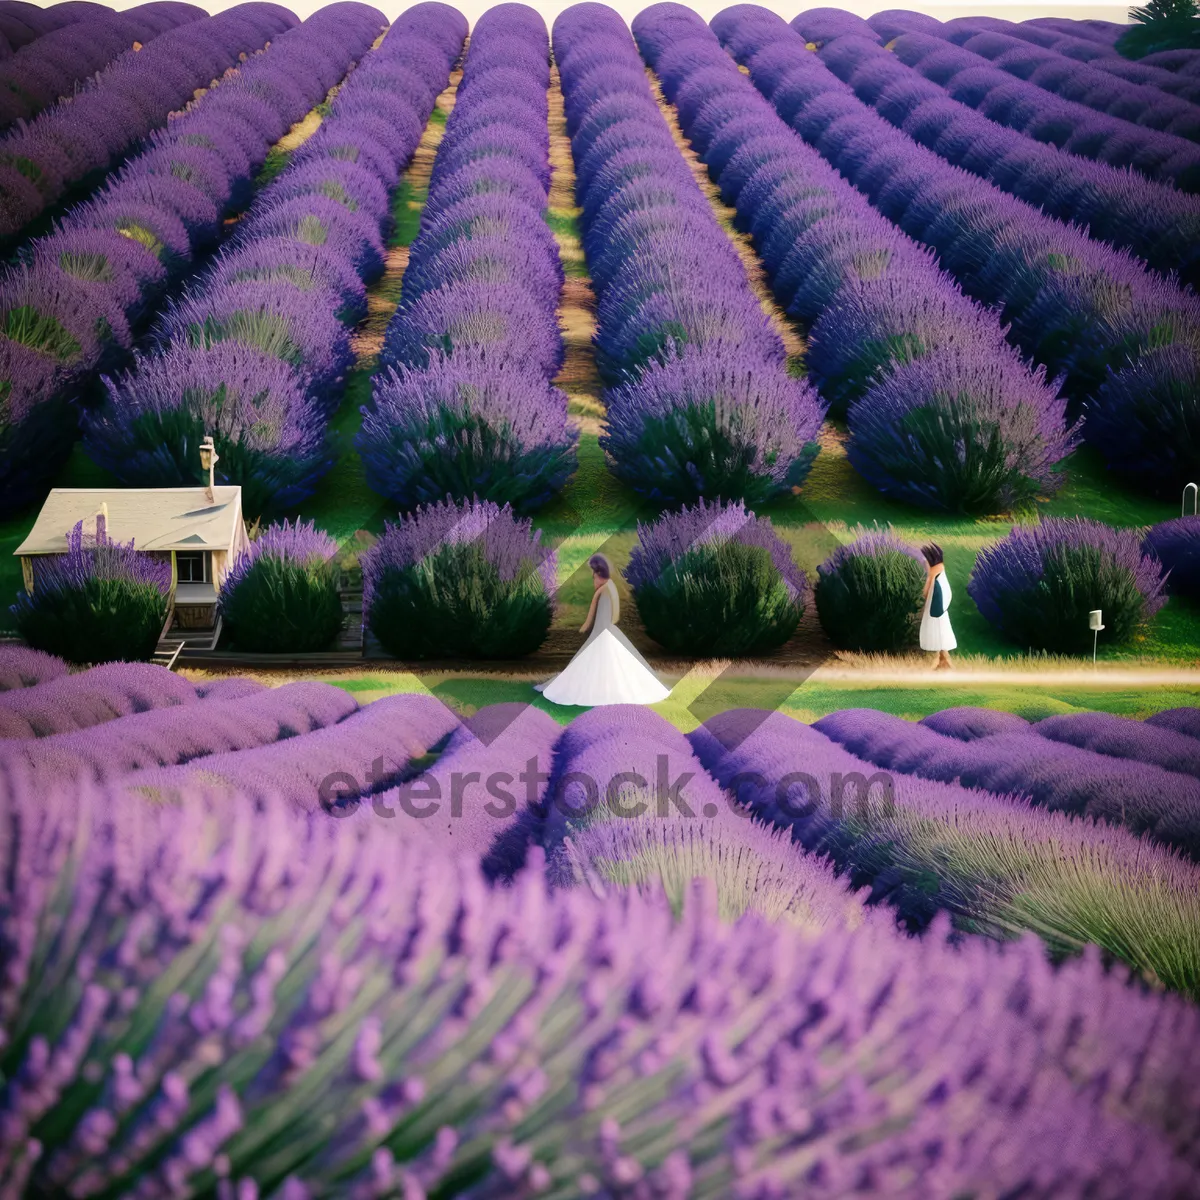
x,y
191,566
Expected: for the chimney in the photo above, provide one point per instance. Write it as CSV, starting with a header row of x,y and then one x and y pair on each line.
x,y
102,525
208,461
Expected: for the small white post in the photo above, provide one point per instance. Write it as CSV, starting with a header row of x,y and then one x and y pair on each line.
x,y
1195,490
1095,624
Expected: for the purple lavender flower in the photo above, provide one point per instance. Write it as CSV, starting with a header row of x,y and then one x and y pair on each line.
x,y
21,667
349,920
501,320
716,580
281,595
268,432
1145,419
711,423
664,541
95,697
467,426
232,720
459,578
101,601
1176,544
968,723
962,429
1038,585
275,317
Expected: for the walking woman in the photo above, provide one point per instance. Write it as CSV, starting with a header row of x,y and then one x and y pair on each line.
x,y
936,634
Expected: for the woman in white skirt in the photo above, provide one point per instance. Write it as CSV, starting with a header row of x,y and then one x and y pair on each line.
x,y
936,634
607,669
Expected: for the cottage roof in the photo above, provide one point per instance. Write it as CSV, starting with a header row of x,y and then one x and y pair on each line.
x,y
152,518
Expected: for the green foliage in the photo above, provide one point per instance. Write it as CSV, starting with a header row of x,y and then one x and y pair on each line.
x,y
454,604
720,599
282,605
103,620
872,602
1162,25
39,332
719,458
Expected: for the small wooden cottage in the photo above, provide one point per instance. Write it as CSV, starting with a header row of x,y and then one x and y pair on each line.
x,y
200,531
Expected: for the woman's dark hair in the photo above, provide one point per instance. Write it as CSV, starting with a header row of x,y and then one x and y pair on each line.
x,y
933,554
599,565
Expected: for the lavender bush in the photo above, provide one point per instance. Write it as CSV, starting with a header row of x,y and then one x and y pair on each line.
x,y
326,772
459,580
968,723
357,925
1176,544
130,99
700,404
281,595
892,337
268,432
115,254
1080,308
1140,795
1124,738
1038,585
962,429
996,864
708,422
716,580
1146,420
101,601
21,667
869,593
465,404
162,737
468,426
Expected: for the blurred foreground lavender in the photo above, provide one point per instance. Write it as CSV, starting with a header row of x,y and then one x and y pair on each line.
x,y
231,999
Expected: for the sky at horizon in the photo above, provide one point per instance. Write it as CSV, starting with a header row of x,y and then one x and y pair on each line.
x,y
1012,11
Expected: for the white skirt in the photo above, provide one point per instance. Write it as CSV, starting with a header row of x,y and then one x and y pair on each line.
x,y
607,670
936,633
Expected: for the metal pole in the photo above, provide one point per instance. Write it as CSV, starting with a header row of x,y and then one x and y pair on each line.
x,y
1095,642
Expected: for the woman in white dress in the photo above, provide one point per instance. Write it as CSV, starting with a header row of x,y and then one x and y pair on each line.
x,y
936,634
607,669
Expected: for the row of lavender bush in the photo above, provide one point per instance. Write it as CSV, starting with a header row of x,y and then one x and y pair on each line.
x,y
55,65
168,736
1156,222
1072,126
1065,76
942,411
1081,41
536,786
73,307
699,401
364,1018
22,23
465,405
1123,337
1056,774
257,354
88,133
996,862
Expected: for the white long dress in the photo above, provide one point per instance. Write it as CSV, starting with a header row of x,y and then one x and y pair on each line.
x,y
936,633
607,669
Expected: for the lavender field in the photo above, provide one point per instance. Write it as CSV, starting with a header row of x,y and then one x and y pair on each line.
x,y
757,307
931,276
267,941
